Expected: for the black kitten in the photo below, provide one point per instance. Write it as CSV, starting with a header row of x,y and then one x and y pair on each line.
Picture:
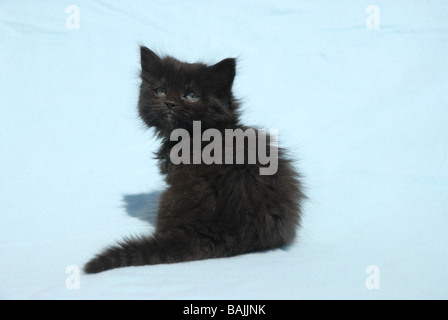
x,y
211,209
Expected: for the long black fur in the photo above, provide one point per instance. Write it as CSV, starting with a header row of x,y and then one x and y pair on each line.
x,y
208,210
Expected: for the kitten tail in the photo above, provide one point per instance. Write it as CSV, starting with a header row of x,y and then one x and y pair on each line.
x,y
149,251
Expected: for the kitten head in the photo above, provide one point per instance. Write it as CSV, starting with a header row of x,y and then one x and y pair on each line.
x,y
173,94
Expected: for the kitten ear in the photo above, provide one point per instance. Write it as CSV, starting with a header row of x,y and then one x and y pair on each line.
x,y
223,73
149,60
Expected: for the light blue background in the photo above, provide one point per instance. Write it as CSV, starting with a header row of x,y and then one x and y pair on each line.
x,y
365,110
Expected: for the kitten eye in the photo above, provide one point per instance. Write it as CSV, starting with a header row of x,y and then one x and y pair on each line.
x,y
161,92
191,96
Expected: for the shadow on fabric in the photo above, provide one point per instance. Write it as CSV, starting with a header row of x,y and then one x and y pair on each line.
x,y
142,206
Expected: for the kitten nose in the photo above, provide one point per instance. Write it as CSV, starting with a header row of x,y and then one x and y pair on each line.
x,y
170,105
